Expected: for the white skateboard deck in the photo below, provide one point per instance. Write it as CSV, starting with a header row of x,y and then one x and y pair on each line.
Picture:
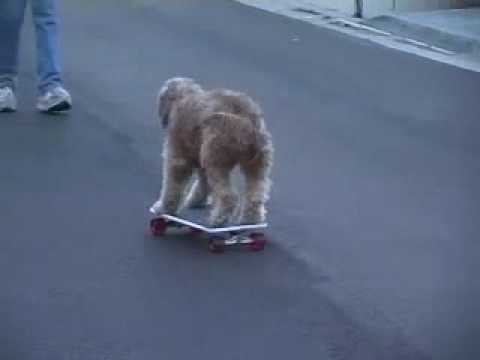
x,y
195,219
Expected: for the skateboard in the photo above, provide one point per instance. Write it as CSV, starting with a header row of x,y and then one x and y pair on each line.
x,y
250,237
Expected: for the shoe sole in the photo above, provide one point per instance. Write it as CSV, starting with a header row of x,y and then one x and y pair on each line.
x,y
60,107
7,110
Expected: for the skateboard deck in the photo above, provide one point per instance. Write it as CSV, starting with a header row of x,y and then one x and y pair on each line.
x,y
249,236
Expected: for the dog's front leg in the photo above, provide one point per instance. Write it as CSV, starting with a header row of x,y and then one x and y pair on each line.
x,y
175,178
198,195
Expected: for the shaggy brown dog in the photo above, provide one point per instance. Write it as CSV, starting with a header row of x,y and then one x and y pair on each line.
x,y
209,133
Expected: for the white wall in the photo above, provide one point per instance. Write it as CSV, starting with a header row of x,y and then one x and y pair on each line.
x,y
345,6
414,5
375,7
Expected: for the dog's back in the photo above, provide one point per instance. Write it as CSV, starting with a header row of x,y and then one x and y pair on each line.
x,y
236,103
234,125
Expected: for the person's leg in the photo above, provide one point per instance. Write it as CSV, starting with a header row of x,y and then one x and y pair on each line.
x,y
11,20
44,13
52,96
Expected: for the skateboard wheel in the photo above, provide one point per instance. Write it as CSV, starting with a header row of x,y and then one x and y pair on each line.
x,y
258,242
158,226
216,245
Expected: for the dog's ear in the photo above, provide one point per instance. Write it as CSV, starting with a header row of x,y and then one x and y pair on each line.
x,y
165,120
173,90
163,106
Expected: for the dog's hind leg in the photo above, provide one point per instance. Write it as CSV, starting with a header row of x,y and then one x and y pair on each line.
x,y
224,198
176,175
257,179
218,162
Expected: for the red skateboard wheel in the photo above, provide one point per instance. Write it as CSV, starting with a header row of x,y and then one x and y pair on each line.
x,y
258,242
158,226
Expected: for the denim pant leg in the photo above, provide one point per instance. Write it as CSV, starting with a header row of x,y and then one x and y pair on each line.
x,y
44,14
11,20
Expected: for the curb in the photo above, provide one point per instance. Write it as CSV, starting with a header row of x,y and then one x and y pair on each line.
x,y
403,28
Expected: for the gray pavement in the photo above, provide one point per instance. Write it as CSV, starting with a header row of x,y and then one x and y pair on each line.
x,y
374,215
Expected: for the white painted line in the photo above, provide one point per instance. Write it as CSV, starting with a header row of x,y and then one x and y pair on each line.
x,y
356,25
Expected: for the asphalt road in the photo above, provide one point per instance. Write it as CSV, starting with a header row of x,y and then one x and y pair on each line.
x,y
374,216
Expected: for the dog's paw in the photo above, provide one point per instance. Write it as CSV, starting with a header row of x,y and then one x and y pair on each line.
x,y
157,208
221,217
253,214
218,221
223,210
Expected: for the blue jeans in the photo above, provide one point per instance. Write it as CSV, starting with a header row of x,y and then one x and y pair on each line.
x,y
12,13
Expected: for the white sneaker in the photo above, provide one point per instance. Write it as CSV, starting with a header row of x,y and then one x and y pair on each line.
x,y
55,100
8,101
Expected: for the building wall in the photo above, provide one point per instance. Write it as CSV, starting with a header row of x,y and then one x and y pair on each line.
x,y
345,6
415,5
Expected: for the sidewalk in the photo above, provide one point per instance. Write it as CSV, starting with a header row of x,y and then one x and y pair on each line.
x,y
454,30
448,36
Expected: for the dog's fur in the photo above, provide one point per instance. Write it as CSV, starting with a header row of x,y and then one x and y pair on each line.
x,y
209,133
